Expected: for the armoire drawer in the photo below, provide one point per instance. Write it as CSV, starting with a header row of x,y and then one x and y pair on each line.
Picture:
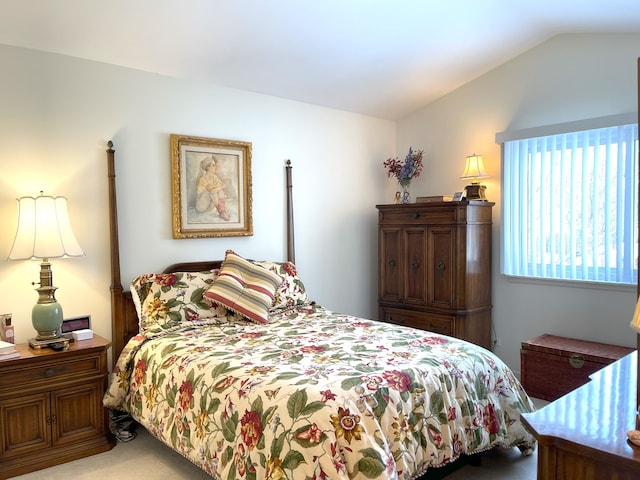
x,y
431,322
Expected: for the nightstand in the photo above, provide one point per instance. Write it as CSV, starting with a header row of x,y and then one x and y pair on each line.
x,y
51,406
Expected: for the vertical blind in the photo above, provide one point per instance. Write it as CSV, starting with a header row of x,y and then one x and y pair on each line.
x,y
570,205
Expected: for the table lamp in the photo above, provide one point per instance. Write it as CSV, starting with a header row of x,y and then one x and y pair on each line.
x,y
44,232
474,169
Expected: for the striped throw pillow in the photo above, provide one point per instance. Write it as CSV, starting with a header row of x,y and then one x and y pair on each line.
x,y
244,288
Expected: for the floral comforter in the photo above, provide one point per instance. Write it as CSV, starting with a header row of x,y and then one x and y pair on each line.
x,y
318,395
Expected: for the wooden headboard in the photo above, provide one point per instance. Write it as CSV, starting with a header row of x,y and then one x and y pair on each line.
x,y
124,320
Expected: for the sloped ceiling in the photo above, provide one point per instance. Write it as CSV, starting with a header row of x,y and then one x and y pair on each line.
x,y
384,58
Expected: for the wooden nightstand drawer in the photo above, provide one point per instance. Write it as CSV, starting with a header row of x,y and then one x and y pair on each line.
x,y
71,369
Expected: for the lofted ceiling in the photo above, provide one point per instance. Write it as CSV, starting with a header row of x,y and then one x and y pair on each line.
x,y
384,58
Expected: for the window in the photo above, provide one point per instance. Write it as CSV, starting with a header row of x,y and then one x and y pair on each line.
x,y
570,203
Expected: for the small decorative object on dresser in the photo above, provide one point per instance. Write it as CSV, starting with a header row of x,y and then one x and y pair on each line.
x,y
6,328
404,172
428,277
434,198
458,197
51,406
473,170
8,350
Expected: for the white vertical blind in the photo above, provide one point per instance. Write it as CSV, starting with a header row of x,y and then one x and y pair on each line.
x,y
570,205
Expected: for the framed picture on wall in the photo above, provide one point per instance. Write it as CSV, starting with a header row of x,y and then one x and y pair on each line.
x,y
211,187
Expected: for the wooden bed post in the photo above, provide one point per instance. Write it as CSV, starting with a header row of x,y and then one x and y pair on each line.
x,y
291,247
117,295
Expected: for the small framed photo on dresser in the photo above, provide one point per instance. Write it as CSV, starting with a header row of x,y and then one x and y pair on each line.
x,y
458,197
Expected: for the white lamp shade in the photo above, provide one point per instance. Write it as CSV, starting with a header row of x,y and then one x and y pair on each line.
x,y
474,167
44,230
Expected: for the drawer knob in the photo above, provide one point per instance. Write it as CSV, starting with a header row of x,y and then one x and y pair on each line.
x,y
576,360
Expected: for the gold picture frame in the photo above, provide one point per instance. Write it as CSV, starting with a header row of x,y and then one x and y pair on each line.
x,y
211,187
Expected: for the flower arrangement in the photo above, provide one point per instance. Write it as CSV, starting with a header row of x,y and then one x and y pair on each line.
x,y
407,170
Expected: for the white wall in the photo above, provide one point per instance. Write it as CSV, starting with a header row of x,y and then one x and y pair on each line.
x,y
57,114
570,77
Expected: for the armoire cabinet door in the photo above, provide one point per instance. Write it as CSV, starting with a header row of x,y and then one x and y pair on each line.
x,y
415,263
441,271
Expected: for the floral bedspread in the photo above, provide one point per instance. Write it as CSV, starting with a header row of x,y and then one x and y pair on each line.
x,y
318,395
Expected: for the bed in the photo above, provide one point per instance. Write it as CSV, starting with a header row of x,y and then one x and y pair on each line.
x,y
232,364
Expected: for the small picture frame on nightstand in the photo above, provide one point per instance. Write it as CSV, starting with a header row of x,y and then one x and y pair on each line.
x,y
458,197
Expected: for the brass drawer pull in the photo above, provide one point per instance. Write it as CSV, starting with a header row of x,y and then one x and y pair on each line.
x,y
50,372
415,265
441,267
576,360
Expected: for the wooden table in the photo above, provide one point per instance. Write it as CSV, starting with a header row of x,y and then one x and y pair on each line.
x,y
582,435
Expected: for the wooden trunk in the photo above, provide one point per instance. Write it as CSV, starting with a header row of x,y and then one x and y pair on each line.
x,y
553,366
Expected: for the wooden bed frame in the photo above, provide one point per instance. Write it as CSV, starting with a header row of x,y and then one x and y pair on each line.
x,y
124,320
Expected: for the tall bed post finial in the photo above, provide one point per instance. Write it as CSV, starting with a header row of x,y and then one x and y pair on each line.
x,y
291,247
117,294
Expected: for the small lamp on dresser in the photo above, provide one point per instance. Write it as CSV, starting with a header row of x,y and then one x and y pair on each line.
x,y
474,169
44,232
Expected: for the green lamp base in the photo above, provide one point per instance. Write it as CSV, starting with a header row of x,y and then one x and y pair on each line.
x,y
46,319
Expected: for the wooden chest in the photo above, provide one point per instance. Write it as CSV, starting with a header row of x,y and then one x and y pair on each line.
x,y
553,366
